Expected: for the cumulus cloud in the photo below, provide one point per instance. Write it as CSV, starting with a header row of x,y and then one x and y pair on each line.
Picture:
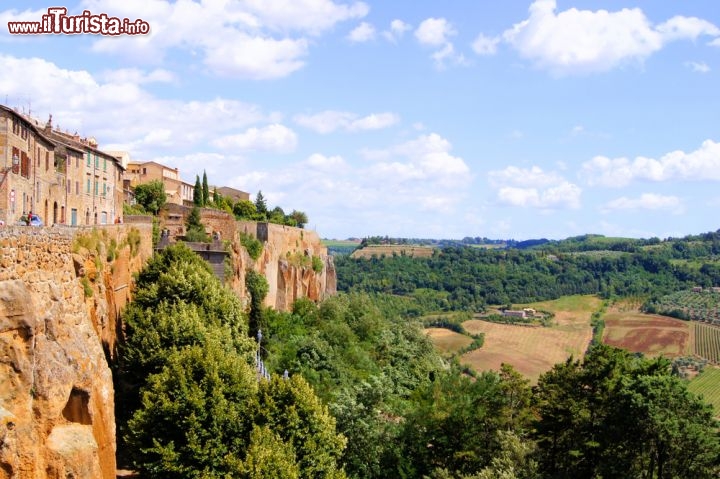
x,y
646,201
253,39
533,187
702,164
397,30
525,177
329,120
277,138
425,158
362,33
140,121
574,40
436,32
484,45
326,163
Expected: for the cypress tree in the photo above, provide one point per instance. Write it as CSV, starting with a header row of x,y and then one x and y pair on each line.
x,y
197,193
205,190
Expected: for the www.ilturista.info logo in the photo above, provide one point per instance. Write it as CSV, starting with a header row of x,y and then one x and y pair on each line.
x,y
57,21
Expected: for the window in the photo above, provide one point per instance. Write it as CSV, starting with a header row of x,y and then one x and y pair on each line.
x,y
104,189
96,187
87,186
69,185
47,160
97,162
37,157
77,187
24,165
105,164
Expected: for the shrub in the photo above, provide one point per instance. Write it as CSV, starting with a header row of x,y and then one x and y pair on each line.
x,y
317,264
252,245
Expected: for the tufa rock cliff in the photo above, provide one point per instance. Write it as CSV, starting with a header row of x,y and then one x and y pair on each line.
x,y
60,293
293,260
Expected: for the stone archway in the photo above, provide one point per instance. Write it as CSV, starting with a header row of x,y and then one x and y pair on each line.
x,y
55,213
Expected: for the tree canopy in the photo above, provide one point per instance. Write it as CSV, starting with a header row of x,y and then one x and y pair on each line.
x,y
151,196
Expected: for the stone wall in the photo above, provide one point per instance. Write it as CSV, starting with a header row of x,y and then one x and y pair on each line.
x,y
58,309
286,260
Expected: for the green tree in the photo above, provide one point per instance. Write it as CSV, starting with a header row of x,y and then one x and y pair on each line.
x,y
277,215
205,190
197,192
195,416
261,205
194,229
290,408
299,218
216,197
269,457
244,210
617,415
151,196
257,287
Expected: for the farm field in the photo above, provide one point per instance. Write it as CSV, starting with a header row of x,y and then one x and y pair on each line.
x,y
707,384
706,342
649,334
535,350
389,250
446,341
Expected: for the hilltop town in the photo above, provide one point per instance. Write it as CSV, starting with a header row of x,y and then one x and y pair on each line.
x,y
67,179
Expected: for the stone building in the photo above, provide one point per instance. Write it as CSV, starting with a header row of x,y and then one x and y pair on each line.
x,y
61,177
178,191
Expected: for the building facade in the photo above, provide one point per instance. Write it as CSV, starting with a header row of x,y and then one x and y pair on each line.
x,y
177,191
61,177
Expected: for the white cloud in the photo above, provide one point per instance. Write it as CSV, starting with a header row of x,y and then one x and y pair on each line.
x,y
329,120
702,164
573,40
397,30
715,43
275,137
255,39
436,32
426,158
533,187
484,45
135,75
326,163
532,177
314,16
698,67
140,122
564,195
646,201
362,33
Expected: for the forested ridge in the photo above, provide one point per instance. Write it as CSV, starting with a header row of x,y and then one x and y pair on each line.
x,y
367,396
466,278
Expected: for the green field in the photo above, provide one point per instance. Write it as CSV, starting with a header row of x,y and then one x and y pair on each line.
x,y
340,246
707,384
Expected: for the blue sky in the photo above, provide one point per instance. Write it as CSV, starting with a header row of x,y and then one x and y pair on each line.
x,y
515,119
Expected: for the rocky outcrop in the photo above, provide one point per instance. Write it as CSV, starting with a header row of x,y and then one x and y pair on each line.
x,y
57,310
294,262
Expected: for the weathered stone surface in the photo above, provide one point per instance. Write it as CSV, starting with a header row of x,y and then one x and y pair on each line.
x,y
57,415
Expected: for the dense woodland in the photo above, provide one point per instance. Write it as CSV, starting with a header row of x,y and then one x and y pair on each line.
x,y
367,396
466,278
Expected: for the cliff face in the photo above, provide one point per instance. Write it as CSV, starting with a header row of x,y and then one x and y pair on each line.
x,y
294,262
286,260
59,298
